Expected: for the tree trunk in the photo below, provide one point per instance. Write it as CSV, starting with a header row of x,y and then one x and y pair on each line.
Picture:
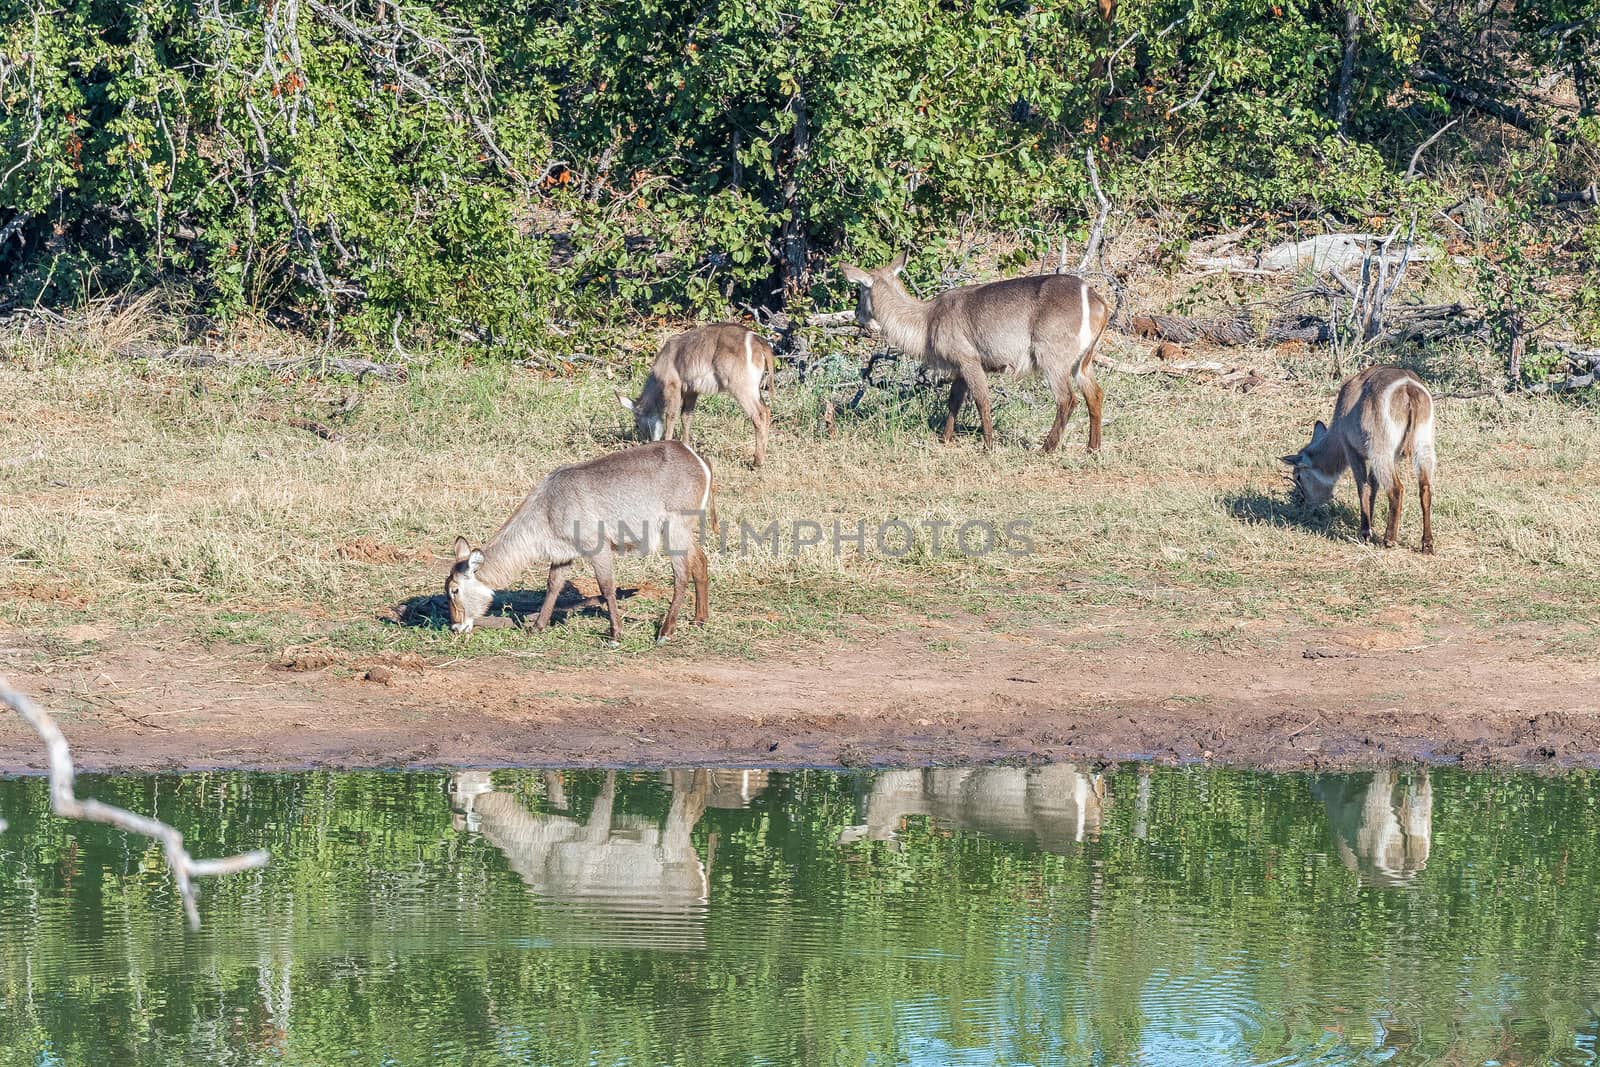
x,y
1347,69
795,250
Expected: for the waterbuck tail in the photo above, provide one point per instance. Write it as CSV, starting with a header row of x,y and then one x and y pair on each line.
x,y
1419,429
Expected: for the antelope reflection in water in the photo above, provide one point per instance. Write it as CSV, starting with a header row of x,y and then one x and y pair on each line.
x,y
1054,807
616,866
1382,824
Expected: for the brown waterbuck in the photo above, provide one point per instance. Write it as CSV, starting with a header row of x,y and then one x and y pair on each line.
x,y
721,358
1049,323
1382,414
648,499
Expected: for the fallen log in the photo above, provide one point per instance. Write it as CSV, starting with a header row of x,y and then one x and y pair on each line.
x,y
193,356
1242,328
1324,252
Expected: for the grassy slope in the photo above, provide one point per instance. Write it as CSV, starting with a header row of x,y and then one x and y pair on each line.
x,y
183,505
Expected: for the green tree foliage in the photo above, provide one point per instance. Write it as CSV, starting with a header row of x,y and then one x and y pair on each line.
x,y
492,172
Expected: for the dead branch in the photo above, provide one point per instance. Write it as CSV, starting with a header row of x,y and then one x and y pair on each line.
x,y
191,356
1509,114
1097,234
1411,168
1195,99
66,803
1589,194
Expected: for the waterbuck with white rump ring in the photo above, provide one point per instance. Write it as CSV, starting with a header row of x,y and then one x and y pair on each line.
x,y
648,500
1048,323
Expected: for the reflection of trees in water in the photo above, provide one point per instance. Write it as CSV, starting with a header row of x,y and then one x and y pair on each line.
x,y
1053,807
1382,823
379,927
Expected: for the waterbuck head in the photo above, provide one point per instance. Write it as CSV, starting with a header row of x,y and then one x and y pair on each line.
x,y
1312,487
864,281
469,597
648,424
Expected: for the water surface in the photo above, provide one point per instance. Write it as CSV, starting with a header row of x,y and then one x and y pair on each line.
x,y
1049,915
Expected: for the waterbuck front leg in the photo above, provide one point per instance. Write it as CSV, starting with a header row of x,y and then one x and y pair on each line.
x,y
672,404
1397,494
558,581
958,396
601,562
978,386
690,399
1367,487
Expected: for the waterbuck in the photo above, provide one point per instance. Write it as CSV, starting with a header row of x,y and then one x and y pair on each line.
x,y
721,358
647,499
1048,323
1382,414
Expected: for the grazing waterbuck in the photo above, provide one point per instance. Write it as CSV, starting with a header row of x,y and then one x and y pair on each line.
x,y
721,358
647,499
1049,323
1382,414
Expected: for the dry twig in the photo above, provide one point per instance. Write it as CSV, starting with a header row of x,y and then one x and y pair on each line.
x,y
66,803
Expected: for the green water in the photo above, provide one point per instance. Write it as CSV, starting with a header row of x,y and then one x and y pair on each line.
x,y
1042,916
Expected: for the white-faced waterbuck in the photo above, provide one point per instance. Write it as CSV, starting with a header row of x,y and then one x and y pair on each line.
x,y
1382,415
1049,323
649,499
721,358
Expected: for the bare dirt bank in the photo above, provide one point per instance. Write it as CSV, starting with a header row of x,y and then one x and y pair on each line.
x,y
930,694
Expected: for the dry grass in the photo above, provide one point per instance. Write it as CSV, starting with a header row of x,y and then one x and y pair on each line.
x,y
184,505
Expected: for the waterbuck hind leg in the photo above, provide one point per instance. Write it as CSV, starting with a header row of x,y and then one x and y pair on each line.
x,y
1093,395
552,592
1397,494
680,582
759,414
1066,401
958,396
1425,494
700,570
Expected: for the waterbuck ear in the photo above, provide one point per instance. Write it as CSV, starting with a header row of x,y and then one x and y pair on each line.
x,y
627,404
1319,431
897,264
1292,459
853,273
474,561
463,550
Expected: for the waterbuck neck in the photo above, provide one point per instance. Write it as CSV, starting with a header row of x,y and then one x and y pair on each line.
x,y
524,539
902,317
1327,456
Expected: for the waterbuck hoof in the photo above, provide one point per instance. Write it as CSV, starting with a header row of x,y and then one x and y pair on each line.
x,y
612,642
1427,548
697,622
1389,542
662,639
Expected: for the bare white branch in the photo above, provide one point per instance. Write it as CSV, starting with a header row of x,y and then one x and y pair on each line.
x,y
1411,168
1195,99
1096,235
66,803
